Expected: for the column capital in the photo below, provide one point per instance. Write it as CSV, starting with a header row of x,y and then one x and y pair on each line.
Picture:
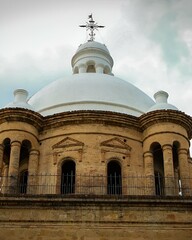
x,y
15,143
148,154
166,146
34,152
182,151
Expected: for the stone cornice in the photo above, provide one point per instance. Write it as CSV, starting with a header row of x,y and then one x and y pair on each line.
x,y
162,116
87,116
21,115
97,117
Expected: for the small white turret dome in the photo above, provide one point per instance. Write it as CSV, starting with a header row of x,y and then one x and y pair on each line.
x,y
161,102
20,100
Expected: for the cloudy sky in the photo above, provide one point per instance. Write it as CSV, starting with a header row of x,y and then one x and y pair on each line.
x,y
149,40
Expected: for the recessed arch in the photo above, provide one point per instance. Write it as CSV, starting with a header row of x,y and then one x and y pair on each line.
x,y
107,70
114,177
25,150
91,67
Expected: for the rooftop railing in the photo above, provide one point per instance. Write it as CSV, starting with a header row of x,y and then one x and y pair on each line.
x,y
95,185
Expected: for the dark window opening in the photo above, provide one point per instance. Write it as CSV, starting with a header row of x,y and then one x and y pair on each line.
x,y
91,69
158,168
159,184
114,178
68,177
176,169
7,151
23,179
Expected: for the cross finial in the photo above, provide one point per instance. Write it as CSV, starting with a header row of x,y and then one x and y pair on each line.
x,y
91,26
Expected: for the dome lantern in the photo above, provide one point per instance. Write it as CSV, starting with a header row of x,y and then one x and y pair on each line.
x,y
92,56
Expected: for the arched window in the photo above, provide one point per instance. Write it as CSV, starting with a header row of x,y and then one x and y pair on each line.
x,y
68,177
24,154
158,168
114,178
23,178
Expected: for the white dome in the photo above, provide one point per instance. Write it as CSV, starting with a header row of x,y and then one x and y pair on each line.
x,y
161,102
94,45
20,100
91,91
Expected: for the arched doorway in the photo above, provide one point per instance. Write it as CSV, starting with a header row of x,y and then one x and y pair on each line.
x,y
68,177
114,178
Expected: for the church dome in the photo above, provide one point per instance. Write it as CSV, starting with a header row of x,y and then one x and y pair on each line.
x,y
91,87
91,91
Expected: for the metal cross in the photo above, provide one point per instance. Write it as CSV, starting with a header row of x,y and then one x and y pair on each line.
x,y
91,26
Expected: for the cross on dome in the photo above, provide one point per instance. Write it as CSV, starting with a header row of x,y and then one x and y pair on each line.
x,y
91,26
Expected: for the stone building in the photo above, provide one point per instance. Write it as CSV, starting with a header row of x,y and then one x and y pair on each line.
x,y
93,157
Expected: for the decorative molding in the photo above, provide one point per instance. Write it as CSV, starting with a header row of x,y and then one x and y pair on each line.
x,y
63,147
68,142
90,117
115,148
116,143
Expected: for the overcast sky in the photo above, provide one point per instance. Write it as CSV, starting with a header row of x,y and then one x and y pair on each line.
x,y
149,40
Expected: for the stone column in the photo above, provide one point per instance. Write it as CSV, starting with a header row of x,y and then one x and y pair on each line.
x,y
149,173
32,171
184,172
168,169
99,68
1,158
14,166
82,68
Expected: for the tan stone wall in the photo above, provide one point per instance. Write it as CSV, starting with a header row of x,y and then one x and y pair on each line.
x,y
81,232
95,219
91,160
